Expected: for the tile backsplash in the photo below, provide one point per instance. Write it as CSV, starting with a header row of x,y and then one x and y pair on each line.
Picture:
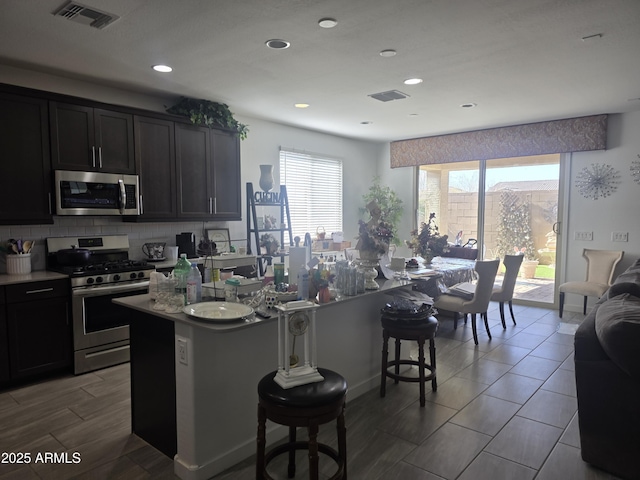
x,y
138,233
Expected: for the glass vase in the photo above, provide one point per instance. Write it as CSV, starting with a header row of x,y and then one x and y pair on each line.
x,y
266,177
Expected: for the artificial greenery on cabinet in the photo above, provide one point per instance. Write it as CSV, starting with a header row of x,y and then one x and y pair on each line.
x,y
207,113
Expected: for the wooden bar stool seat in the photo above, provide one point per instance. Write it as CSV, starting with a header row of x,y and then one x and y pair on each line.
x,y
419,329
307,406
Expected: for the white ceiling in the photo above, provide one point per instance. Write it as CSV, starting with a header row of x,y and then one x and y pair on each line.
x,y
520,61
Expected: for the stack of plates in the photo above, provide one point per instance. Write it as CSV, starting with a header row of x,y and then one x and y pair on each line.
x,y
219,311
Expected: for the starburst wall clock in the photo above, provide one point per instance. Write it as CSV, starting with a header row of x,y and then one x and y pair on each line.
x,y
597,180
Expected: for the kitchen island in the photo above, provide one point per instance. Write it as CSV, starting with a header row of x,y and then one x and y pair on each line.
x,y
194,383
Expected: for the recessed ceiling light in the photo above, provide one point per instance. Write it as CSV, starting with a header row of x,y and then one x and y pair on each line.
x,y
388,53
277,44
162,68
469,105
327,22
412,81
301,105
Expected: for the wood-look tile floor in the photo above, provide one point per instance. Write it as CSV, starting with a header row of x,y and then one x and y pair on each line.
x,y
505,409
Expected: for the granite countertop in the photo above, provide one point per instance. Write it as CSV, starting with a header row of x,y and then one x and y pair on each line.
x,y
144,303
38,276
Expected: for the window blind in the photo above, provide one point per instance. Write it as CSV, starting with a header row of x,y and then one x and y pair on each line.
x,y
314,187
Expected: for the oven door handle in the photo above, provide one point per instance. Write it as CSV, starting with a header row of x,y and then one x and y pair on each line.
x,y
106,290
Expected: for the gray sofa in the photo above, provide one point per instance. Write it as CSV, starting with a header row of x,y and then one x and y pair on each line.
x,y
607,370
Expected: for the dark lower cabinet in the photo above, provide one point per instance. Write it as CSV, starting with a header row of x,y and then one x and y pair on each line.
x,y
153,382
4,343
38,327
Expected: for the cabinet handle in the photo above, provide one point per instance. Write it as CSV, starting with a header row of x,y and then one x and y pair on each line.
x,y
42,290
100,157
215,204
93,156
141,206
210,205
123,196
50,204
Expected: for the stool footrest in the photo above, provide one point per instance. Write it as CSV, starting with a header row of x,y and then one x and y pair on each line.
x,y
404,378
303,445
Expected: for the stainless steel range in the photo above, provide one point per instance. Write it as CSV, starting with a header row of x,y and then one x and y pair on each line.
x,y
102,272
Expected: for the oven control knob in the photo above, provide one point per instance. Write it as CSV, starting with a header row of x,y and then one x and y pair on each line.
x,y
132,275
89,280
141,275
98,279
116,277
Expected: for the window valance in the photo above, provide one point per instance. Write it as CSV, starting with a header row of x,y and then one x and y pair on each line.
x,y
558,136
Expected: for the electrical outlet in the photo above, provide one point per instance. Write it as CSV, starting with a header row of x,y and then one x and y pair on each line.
x,y
584,236
182,351
619,236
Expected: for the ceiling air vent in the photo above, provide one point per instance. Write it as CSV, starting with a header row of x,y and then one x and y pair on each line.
x,y
388,96
84,15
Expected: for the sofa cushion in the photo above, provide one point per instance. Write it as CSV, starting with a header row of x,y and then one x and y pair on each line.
x,y
624,287
618,329
631,274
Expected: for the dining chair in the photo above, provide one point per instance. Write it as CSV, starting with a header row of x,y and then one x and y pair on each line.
x,y
600,267
479,303
504,293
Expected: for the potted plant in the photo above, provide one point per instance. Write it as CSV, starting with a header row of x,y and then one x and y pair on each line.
x,y
389,205
427,241
208,114
269,243
375,235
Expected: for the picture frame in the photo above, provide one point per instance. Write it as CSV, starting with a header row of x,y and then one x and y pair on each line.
x,y
221,238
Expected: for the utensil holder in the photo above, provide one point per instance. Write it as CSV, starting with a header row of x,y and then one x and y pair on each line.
x,y
19,264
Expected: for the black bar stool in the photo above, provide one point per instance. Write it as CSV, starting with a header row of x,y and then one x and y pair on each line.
x,y
307,406
417,325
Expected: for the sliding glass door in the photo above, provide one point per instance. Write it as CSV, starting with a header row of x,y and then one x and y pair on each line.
x,y
508,205
450,190
520,216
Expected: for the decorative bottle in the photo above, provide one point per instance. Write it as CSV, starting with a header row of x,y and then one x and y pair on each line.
x,y
181,272
194,285
303,283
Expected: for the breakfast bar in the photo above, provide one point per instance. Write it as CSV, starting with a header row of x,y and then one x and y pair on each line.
x,y
194,382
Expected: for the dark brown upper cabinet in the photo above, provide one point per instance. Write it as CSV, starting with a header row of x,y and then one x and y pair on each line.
x,y
91,139
156,166
25,182
208,173
226,175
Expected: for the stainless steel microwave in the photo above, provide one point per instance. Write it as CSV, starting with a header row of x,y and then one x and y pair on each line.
x,y
96,193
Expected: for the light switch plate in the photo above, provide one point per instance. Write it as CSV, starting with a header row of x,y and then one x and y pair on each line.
x,y
182,351
619,236
584,236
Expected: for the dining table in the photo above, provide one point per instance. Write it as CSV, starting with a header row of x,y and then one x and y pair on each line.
x,y
442,273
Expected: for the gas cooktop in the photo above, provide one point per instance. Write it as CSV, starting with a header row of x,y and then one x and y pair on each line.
x,y
108,263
